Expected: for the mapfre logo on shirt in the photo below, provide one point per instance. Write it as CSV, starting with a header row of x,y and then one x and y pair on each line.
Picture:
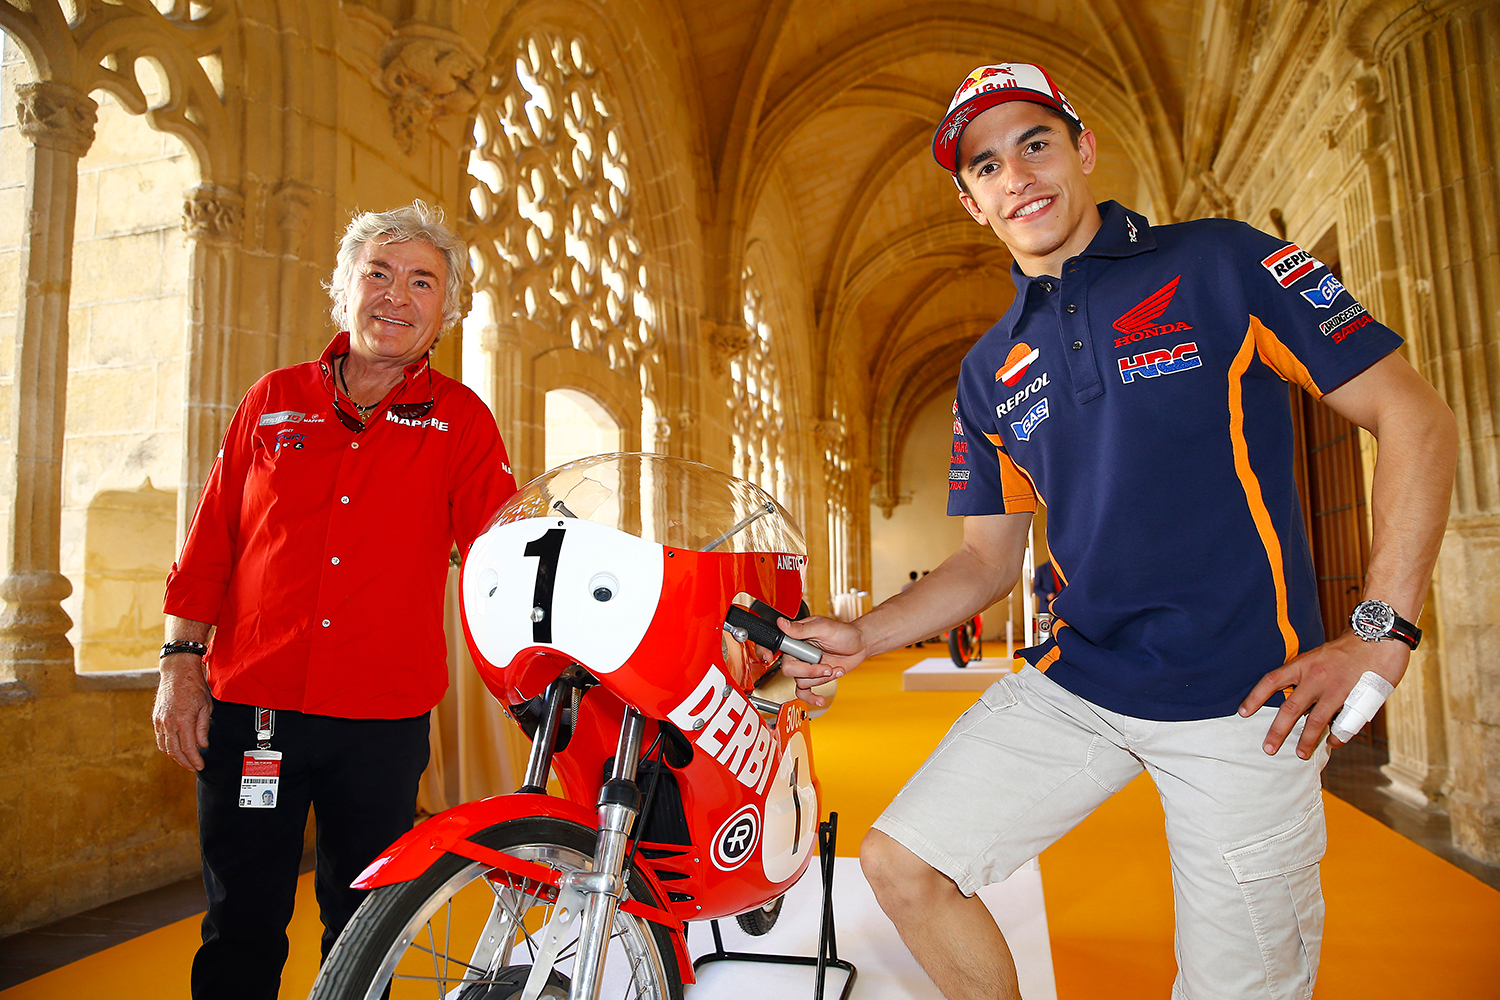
x,y
433,422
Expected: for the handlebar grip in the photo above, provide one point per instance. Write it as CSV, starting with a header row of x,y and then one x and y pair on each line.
x,y
764,633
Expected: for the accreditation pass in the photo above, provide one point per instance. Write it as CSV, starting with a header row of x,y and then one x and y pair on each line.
x,y
260,779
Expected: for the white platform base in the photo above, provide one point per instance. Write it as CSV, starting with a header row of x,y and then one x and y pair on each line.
x,y
939,674
866,938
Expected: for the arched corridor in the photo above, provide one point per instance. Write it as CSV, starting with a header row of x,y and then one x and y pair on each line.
x,y
713,231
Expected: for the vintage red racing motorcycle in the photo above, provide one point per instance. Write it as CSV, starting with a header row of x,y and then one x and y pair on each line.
x,y
620,607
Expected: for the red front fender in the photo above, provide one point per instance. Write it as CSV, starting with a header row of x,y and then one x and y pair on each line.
x,y
415,852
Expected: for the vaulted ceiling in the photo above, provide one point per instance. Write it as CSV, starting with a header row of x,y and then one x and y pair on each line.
x,y
818,117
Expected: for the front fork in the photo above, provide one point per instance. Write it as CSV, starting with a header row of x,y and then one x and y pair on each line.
x,y
592,896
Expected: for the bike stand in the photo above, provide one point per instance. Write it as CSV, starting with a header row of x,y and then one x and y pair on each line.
x,y
828,949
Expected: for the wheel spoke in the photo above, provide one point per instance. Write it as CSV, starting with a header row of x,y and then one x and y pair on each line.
x,y
492,921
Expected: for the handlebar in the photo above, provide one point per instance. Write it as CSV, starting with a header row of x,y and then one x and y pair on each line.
x,y
765,633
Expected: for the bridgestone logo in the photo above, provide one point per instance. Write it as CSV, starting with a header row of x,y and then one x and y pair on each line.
x,y
1334,322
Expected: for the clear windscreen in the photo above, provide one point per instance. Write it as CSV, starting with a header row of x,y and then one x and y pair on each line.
x,y
662,499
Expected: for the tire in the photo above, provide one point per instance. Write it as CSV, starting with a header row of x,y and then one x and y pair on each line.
x,y
761,919
963,643
453,921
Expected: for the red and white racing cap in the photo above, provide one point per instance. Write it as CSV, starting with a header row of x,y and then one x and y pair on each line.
x,y
986,87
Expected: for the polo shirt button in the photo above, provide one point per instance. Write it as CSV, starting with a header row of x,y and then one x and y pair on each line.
x,y
326,623
343,499
335,560
1072,308
1077,345
354,445
1046,286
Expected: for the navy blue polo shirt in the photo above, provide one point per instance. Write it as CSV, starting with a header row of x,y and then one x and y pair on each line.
x,y
1143,396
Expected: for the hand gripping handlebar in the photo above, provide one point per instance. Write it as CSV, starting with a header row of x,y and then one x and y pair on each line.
x,y
766,635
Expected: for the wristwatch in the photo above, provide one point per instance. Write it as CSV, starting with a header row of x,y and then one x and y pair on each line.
x,y
1376,620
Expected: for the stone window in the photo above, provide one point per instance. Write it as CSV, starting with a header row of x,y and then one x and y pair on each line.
x,y
757,416
553,201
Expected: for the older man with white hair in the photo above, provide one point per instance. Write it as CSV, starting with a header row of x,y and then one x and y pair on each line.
x,y
305,644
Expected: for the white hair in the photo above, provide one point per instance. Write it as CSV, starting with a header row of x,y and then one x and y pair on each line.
x,y
416,221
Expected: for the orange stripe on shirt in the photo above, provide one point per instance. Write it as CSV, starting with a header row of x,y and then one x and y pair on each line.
x,y
1281,359
1049,659
1251,483
1016,489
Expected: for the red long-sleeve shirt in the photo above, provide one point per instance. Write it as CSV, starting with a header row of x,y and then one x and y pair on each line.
x,y
321,555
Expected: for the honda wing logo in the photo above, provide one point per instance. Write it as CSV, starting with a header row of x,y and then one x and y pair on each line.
x,y
1141,322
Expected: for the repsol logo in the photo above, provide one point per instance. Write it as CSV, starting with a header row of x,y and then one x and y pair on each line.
x,y
1038,383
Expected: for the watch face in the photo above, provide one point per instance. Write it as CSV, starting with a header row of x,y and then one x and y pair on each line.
x,y
1373,619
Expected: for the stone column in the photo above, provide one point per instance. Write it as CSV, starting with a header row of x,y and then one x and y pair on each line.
x,y
1443,70
213,218
34,650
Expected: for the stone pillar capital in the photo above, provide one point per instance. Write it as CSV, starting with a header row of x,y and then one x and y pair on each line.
x,y
725,340
213,214
828,433
56,116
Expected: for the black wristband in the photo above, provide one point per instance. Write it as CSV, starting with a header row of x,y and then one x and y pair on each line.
x,y
182,646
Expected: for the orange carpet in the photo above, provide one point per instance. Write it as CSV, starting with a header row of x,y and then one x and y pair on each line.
x,y
1402,923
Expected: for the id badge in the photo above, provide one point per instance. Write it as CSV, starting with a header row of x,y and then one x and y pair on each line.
x,y
260,779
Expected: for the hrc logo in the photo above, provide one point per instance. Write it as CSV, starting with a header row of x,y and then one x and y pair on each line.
x,y
1154,363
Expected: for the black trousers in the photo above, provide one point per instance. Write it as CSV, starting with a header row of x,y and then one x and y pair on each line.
x,y
359,776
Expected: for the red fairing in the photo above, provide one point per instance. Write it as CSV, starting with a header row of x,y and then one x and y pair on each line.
x,y
579,570
414,853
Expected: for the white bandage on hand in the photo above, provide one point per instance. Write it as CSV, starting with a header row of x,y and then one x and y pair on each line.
x,y
1361,705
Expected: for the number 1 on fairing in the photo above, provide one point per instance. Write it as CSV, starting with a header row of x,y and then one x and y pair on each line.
x,y
546,550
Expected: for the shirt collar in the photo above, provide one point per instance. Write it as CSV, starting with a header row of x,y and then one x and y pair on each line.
x,y
339,346
1122,233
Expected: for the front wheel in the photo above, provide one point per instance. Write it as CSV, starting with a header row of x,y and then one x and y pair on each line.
x,y
465,931
964,643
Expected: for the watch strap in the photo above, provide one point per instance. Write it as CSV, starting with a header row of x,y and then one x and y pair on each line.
x,y
1405,631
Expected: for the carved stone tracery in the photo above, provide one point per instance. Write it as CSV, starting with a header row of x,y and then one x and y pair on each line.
x,y
553,203
755,400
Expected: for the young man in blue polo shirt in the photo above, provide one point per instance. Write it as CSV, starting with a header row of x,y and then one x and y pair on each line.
x,y
1138,387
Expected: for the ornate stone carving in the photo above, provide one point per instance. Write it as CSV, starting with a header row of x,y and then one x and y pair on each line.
x,y
213,214
55,115
888,504
428,79
662,430
724,341
1218,201
829,433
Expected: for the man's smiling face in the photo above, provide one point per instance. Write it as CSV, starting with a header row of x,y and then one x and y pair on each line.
x,y
1028,182
396,301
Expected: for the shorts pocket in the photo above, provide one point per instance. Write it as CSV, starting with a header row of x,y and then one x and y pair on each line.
x,y
1279,877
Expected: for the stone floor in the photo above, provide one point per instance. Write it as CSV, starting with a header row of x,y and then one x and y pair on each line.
x,y
1353,774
